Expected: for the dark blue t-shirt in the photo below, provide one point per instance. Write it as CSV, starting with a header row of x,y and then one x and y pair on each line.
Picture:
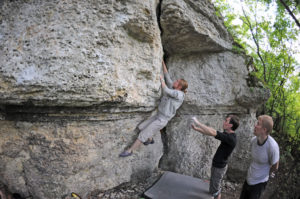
x,y
228,142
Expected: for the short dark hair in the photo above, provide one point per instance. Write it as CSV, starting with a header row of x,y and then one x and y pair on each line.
x,y
235,121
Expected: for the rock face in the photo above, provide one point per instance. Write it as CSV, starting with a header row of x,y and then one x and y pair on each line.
x,y
77,77
75,53
191,26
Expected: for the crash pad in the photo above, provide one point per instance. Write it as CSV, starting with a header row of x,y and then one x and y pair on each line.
x,y
177,186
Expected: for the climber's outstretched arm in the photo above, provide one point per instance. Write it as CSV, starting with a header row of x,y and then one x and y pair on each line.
x,y
169,81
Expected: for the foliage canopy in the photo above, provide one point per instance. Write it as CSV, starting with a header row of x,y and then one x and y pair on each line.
x,y
268,31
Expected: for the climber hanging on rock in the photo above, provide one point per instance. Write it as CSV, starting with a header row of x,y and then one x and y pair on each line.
x,y
172,99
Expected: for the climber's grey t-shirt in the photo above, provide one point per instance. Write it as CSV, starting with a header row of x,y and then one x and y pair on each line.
x,y
263,157
171,100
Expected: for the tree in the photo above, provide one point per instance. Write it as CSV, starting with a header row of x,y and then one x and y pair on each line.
x,y
290,6
270,42
271,39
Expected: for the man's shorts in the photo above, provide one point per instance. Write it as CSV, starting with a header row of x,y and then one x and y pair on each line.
x,y
216,177
151,126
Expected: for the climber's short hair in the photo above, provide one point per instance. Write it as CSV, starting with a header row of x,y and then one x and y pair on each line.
x,y
184,85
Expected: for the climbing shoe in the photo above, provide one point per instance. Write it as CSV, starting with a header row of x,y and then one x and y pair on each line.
x,y
148,142
125,154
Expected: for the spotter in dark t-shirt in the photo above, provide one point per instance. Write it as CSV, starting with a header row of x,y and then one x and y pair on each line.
x,y
228,142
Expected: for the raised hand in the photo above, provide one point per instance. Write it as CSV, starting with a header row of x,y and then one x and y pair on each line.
x,y
164,67
163,84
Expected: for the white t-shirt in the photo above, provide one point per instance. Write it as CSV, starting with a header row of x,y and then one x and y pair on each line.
x,y
263,157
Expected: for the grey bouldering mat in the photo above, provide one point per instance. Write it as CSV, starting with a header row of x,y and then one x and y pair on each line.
x,y
176,186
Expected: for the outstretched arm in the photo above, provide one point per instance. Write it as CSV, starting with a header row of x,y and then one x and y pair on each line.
x,y
169,82
203,128
164,67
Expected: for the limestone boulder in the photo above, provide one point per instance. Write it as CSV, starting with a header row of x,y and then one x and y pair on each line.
x,y
76,78
191,26
73,53
51,160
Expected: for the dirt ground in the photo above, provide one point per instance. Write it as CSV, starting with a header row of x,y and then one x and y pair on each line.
x,y
231,192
